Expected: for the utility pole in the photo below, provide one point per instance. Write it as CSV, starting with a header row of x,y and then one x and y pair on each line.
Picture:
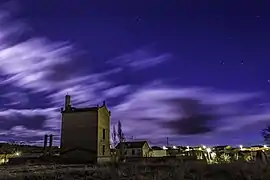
x,y
167,141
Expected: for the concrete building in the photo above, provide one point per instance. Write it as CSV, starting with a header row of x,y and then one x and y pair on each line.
x,y
135,149
85,133
156,151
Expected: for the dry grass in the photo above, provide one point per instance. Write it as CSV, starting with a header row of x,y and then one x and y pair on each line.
x,y
142,171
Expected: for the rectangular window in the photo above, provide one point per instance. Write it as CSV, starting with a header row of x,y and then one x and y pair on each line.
x,y
103,134
139,152
133,151
103,150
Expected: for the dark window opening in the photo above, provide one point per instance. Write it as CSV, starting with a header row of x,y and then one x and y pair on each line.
x,y
103,134
133,151
103,150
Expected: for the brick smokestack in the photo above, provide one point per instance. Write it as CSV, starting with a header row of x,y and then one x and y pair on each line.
x,y
67,102
50,144
45,144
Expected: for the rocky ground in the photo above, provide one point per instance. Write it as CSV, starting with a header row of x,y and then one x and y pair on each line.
x,y
181,171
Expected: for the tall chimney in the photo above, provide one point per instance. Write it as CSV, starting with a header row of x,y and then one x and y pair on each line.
x,y
50,144
45,144
67,101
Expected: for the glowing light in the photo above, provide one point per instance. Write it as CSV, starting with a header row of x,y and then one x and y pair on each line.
x,y
241,146
174,147
164,147
265,146
18,153
208,150
204,147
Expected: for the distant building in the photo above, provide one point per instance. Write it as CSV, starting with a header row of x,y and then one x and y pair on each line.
x,y
135,148
157,153
85,133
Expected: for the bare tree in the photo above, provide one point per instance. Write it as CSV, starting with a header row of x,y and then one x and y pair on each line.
x,y
120,133
114,137
266,134
121,139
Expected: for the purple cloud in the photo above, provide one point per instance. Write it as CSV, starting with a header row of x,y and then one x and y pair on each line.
x,y
153,112
140,59
28,124
185,112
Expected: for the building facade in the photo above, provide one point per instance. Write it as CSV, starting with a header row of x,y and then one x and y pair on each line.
x,y
135,149
85,133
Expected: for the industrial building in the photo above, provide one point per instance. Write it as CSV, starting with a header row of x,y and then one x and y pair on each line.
x,y
85,133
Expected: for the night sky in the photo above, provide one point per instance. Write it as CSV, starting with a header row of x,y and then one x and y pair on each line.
x,y
196,72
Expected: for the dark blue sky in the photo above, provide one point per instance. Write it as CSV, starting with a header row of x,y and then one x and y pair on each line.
x,y
187,68
200,35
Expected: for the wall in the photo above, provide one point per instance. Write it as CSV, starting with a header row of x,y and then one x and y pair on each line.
x,y
157,153
80,156
79,129
103,123
145,152
137,152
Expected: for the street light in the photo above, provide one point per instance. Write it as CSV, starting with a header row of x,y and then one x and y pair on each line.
x,y
241,147
265,146
18,153
208,150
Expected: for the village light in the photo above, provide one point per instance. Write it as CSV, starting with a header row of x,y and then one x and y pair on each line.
x,y
265,146
164,147
18,153
174,147
241,147
208,150
204,147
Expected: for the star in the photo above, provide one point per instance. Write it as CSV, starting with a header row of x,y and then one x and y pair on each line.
x,y
258,17
242,62
138,18
222,62
268,80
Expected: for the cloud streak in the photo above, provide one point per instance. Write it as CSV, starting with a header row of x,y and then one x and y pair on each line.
x,y
140,59
49,70
187,112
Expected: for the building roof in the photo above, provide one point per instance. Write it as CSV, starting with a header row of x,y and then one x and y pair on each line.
x,y
29,155
133,144
222,147
257,146
84,109
156,148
